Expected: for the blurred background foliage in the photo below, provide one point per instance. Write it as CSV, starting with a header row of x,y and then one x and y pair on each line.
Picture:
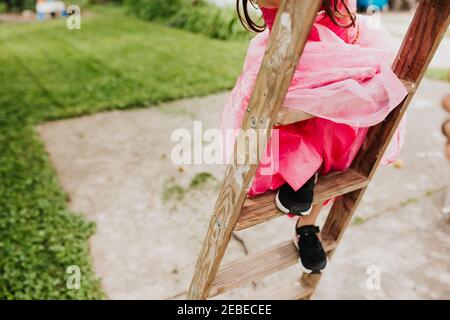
x,y
197,16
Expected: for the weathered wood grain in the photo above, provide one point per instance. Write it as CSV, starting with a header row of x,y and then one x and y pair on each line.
x,y
262,208
289,35
287,116
257,266
427,29
286,290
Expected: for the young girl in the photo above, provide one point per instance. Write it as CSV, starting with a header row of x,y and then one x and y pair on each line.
x,y
344,79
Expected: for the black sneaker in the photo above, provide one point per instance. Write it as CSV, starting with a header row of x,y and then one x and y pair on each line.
x,y
312,256
296,202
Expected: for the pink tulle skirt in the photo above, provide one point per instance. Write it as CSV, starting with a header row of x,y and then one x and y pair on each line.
x,y
348,87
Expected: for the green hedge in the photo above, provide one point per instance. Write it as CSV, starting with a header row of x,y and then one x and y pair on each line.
x,y
18,5
155,9
195,16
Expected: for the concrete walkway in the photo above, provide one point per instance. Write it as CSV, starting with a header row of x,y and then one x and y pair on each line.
x,y
152,215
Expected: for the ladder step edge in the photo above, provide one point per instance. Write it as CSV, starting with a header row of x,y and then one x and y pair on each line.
x,y
239,272
290,291
269,211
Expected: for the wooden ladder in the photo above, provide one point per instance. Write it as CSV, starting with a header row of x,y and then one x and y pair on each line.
x,y
234,211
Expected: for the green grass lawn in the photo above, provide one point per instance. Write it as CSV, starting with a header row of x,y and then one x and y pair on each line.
x,y
49,72
442,74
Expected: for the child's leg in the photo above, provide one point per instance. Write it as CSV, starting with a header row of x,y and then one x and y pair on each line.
x,y
312,217
312,255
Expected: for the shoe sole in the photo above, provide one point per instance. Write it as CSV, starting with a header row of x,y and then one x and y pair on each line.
x,y
304,269
285,210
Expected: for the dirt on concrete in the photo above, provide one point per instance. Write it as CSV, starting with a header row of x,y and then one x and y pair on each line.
x,y
152,215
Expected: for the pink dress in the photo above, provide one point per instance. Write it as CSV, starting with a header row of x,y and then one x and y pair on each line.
x,y
343,78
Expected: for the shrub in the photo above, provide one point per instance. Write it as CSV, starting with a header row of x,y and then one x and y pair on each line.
x,y
155,9
196,16
208,19
18,5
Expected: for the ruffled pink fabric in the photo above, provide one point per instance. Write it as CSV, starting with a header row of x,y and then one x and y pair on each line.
x,y
348,87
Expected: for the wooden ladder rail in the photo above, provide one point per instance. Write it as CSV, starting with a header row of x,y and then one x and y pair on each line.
x,y
424,35
419,46
288,38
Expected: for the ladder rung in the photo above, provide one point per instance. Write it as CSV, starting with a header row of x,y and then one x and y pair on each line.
x,y
257,266
295,290
287,116
262,208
